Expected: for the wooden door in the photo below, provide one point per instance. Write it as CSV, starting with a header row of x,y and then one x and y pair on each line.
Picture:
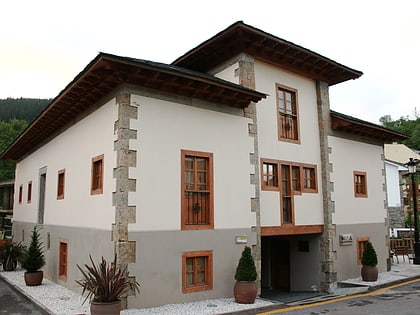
x,y
280,265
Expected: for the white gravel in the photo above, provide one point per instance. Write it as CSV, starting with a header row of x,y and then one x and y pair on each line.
x,y
60,300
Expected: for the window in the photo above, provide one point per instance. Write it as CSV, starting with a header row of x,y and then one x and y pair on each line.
x,y
197,190
296,179
20,193
287,114
269,175
360,187
62,260
97,175
197,271
289,179
286,195
309,179
29,192
361,242
60,184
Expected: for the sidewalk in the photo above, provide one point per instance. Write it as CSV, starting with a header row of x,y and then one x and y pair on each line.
x,y
56,299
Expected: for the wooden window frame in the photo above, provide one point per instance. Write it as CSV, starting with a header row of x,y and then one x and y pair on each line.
x,y
263,175
97,177
210,191
286,193
297,188
208,271
361,241
295,113
63,254
29,194
314,180
357,193
20,197
61,178
293,190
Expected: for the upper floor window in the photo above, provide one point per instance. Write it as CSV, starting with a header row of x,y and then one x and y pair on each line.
x,y
360,184
20,193
60,184
287,114
309,179
289,179
97,175
29,200
197,190
269,175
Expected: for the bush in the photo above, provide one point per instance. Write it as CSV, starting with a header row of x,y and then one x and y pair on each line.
x,y
33,258
369,257
246,270
106,282
10,253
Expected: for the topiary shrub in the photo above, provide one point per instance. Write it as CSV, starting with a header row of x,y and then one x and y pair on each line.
x,y
369,257
246,270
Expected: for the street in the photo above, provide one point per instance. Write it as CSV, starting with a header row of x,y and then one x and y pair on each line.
x,y
401,299
12,302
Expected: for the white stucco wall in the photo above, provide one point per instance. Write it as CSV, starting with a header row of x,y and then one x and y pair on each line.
x,y
158,196
228,73
393,188
73,151
308,206
346,157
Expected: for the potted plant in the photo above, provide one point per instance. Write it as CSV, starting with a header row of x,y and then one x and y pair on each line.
x,y
369,261
105,284
245,289
33,259
10,253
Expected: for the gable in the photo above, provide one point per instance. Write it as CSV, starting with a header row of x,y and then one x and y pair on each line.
x,y
242,38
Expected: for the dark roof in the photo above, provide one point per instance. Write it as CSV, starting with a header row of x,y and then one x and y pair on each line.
x,y
349,124
106,73
240,37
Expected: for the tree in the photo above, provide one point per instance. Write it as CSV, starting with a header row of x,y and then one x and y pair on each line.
x,y
410,127
9,131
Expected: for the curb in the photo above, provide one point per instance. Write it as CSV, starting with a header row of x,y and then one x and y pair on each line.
x,y
42,308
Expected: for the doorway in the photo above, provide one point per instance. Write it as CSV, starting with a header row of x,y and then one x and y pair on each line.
x,y
275,273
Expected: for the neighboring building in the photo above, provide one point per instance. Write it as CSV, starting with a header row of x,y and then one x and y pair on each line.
x,y
394,191
175,167
400,153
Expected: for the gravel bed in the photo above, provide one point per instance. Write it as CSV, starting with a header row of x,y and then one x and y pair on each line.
x,y
60,300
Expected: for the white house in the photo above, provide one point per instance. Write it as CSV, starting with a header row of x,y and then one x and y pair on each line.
x,y
176,167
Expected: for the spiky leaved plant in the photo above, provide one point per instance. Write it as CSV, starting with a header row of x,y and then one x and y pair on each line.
x,y
246,270
106,282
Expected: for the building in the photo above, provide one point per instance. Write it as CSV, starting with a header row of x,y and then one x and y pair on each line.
x,y
176,167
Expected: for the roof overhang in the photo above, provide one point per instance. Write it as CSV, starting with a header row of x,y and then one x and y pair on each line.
x,y
104,75
242,38
348,124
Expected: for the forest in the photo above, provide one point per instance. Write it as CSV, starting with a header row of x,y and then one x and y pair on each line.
x,y
15,116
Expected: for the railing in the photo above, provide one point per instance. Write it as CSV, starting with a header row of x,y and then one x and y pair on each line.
x,y
402,242
197,208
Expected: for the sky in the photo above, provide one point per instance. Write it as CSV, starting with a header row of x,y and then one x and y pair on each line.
x,y
44,44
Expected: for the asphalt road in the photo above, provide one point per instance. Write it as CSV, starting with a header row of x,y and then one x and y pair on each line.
x,y
13,302
401,299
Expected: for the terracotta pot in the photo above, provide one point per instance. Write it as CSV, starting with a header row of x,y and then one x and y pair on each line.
x,y
245,292
105,308
33,278
369,273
